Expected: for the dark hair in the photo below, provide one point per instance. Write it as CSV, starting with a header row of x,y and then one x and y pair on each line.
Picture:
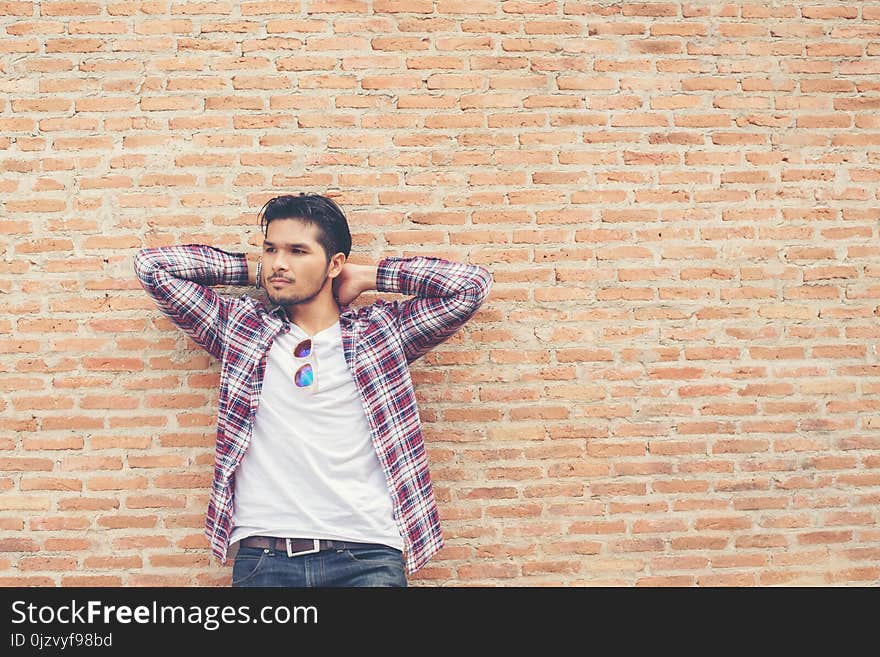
x,y
315,210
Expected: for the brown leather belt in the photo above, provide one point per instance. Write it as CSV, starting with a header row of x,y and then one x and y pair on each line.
x,y
298,546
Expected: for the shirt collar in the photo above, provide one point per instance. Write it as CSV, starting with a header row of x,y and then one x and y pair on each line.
x,y
346,313
279,312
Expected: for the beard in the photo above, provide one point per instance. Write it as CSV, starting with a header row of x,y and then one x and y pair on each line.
x,y
293,299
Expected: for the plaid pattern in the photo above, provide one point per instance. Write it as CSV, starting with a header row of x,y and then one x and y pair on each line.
x,y
379,342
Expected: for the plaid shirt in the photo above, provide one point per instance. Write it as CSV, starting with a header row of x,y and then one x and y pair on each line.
x,y
379,341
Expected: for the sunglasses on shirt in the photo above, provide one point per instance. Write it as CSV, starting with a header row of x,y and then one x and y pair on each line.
x,y
305,374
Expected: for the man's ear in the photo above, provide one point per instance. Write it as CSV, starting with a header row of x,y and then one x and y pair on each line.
x,y
337,262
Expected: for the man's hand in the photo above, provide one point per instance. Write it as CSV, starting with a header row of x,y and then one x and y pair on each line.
x,y
352,280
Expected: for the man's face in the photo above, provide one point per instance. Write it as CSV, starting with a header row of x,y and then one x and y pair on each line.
x,y
293,257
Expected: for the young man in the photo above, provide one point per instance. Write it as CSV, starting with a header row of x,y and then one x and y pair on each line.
x,y
320,469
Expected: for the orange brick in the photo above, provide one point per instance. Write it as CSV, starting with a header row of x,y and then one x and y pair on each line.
x,y
671,382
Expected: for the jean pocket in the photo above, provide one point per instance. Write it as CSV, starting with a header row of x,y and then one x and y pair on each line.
x,y
365,555
246,566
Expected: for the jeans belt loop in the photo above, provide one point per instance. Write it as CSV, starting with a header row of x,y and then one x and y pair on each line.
x,y
315,542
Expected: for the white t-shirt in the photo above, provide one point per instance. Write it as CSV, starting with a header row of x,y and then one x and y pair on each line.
x,y
311,470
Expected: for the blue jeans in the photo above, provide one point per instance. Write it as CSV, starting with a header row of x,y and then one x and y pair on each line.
x,y
367,566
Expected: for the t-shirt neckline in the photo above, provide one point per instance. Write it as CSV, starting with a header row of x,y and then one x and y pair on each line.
x,y
299,329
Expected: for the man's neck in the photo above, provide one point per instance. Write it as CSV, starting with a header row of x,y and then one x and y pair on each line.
x,y
315,315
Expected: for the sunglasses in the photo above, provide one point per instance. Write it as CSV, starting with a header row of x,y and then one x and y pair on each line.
x,y
305,374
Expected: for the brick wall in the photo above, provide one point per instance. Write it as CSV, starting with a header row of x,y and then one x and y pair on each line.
x,y
676,377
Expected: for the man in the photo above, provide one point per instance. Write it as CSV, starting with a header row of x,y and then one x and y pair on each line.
x,y
320,471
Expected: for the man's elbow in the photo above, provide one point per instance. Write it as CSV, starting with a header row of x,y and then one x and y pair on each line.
x,y
484,284
145,266
140,262
478,291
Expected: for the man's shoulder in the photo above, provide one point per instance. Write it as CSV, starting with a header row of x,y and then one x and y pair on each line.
x,y
248,306
377,313
376,307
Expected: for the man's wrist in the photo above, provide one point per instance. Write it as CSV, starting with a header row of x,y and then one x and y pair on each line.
x,y
252,271
368,277
388,272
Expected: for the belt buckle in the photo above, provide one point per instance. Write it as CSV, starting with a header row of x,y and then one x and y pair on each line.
x,y
315,542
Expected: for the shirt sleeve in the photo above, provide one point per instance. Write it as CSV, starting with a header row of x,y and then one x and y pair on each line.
x,y
447,294
177,279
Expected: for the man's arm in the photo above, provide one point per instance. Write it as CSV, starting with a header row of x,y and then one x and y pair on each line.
x,y
177,279
447,294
